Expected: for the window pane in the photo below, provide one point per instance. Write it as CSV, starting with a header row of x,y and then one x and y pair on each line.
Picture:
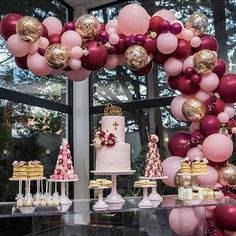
x,y
12,77
27,133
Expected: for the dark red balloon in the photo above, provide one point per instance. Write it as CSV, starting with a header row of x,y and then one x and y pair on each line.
x,y
196,79
144,71
230,124
8,25
22,62
180,144
155,24
45,31
173,81
69,26
150,44
227,88
197,138
97,57
220,68
160,58
186,86
225,217
183,49
120,47
214,106
207,42
209,124
102,27
54,38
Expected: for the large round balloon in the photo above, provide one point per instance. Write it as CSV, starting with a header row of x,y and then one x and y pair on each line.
x,y
207,42
186,86
210,179
227,175
209,125
214,105
180,144
183,49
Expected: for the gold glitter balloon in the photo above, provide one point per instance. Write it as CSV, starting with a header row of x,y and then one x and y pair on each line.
x,y
185,180
227,175
136,57
193,109
87,26
57,56
204,61
29,28
197,23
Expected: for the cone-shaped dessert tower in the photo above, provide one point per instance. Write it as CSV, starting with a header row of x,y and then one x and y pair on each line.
x,y
64,167
153,166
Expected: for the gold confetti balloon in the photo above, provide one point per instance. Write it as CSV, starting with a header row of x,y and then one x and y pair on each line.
x,y
87,26
193,109
57,56
185,180
29,29
197,23
204,61
136,57
227,175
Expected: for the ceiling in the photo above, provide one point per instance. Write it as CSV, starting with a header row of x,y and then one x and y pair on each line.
x,y
87,3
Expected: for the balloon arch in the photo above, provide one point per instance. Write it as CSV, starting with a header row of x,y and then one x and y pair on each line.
x,y
189,57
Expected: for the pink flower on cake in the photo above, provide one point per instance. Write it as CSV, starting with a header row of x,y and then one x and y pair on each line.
x,y
104,139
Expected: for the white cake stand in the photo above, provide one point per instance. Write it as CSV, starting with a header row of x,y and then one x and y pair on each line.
x,y
100,205
114,197
145,202
154,195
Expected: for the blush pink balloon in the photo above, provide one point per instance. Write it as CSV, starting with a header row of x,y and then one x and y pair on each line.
x,y
223,117
230,111
194,126
176,107
53,25
210,179
112,61
203,95
133,19
149,59
33,48
77,52
111,31
113,24
75,64
187,34
114,39
195,42
170,166
194,152
188,62
71,39
165,14
209,213
209,82
200,213
167,43
217,147
173,66
38,65
43,42
16,46
78,75
183,221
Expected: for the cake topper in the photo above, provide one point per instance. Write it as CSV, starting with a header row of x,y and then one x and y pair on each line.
x,y
111,110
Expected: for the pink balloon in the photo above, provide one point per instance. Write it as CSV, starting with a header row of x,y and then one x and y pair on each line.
x,y
114,39
71,39
78,75
223,117
149,59
195,42
165,14
203,95
75,64
113,24
176,107
173,66
33,48
217,147
112,61
16,46
111,31
133,19
167,43
188,62
200,213
53,25
77,52
194,126
38,65
230,111
43,42
209,82
210,179
170,166
209,213
183,221
187,34
194,152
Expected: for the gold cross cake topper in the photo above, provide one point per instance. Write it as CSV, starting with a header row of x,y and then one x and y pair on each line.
x,y
111,110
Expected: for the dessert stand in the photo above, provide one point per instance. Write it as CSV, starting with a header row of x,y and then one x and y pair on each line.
x,y
154,195
100,205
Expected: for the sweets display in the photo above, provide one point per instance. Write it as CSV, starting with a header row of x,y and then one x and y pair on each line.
x,y
100,183
198,166
27,170
153,167
185,166
112,153
144,183
64,166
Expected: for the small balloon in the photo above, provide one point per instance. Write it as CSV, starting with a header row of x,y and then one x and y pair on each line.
x,y
227,175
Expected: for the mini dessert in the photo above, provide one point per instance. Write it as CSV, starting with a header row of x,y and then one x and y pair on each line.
x,y
100,183
196,166
144,183
185,166
203,165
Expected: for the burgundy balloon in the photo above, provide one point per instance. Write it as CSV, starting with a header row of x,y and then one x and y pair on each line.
x,y
45,31
8,25
225,217
207,42
155,23
196,78
209,124
103,36
227,87
129,40
120,47
230,124
214,106
41,51
183,49
179,144
159,57
69,26
97,57
22,62
175,28
150,44
140,39
54,38
102,27
220,68
144,71
165,26
189,71
186,86
173,81
197,138
112,50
